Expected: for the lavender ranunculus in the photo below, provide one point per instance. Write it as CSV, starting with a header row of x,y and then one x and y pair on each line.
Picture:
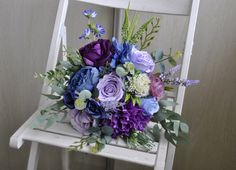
x,y
97,53
130,118
110,88
157,87
142,60
80,121
150,105
84,79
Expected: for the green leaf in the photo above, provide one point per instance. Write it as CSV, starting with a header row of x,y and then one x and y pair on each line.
x,y
184,128
156,133
125,26
166,103
108,139
94,129
107,130
50,96
172,61
168,88
91,139
158,54
169,137
162,67
120,71
138,100
127,96
58,90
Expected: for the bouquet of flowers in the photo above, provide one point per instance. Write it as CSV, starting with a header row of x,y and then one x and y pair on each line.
x,y
113,89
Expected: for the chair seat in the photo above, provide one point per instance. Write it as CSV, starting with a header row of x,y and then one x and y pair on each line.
x,y
61,134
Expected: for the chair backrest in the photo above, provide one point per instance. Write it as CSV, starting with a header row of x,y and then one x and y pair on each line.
x,y
170,7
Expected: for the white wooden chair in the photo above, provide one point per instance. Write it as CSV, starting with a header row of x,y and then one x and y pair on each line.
x,y
62,135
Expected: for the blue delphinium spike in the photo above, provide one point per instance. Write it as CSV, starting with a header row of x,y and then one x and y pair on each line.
x,y
86,34
99,30
89,13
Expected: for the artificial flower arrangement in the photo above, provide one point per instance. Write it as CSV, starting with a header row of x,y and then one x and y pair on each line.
x,y
112,89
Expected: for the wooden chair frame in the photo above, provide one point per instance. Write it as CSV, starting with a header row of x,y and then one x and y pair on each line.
x,y
162,157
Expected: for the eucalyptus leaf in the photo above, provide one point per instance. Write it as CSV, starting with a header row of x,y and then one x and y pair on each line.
x,y
58,90
184,128
156,133
50,96
172,61
107,130
108,139
162,67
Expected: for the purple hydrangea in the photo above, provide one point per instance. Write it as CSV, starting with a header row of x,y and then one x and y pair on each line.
x,y
130,118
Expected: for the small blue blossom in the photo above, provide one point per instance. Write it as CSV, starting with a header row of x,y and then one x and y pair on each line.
x,y
99,30
89,13
86,34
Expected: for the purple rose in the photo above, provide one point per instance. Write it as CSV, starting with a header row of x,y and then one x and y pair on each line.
x,y
97,53
142,60
110,88
80,121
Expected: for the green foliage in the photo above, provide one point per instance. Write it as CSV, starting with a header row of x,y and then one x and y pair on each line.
x,y
159,58
97,140
150,30
176,131
140,140
145,33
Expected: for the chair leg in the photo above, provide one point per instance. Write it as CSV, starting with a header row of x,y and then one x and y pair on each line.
x,y
33,157
110,164
65,159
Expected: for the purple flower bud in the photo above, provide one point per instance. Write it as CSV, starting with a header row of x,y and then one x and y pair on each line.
x,y
190,82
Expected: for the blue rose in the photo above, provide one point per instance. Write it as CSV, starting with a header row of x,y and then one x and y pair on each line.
x,y
84,79
150,105
94,109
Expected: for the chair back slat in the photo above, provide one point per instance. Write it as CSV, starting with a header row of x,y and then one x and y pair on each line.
x,y
174,7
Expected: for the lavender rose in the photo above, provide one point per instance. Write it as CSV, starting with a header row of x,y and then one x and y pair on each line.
x,y
157,87
97,53
80,121
110,88
142,60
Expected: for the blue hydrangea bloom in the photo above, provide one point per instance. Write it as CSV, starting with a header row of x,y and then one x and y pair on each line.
x,y
84,79
150,105
86,34
122,52
99,30
89,13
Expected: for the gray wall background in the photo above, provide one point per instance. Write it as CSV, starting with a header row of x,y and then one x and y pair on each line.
x,y
25,34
